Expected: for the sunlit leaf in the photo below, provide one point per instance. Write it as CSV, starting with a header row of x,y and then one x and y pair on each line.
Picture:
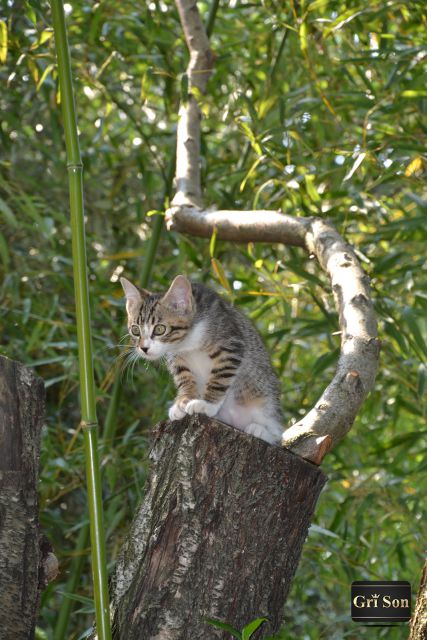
x,y
220,274
212,243
360,158
414,93
251,171
44,75
45,35
342,20
314,528
3,41
250,628
311,188
415,166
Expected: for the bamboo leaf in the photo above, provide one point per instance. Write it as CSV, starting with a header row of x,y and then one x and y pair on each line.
x,y
8,214
303,37
317,4
225,627
360,158
44,37
310,186
342,19
250,628
415,330
3,41
314,528
212,243
34,70
4,251
264,106
421,380
414,93
220,274
251,137
44,75
251,172
155,212
324,361
415,166
78,598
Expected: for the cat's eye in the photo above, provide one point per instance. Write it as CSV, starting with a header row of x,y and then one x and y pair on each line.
x,y
135,330
159,330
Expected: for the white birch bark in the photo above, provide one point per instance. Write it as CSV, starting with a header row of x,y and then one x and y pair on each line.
x,y
188,188
334,413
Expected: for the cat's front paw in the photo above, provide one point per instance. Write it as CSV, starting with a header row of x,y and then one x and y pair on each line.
x,y
176,412
201,406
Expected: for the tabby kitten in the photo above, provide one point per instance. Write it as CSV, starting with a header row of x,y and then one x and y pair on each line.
x,y
218,361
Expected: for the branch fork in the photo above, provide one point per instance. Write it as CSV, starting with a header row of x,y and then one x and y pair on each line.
x,y
331,418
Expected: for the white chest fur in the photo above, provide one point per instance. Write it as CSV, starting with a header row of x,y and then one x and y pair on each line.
x,y
196,359
200,365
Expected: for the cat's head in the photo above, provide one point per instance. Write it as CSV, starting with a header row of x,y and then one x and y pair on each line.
x,y
159,323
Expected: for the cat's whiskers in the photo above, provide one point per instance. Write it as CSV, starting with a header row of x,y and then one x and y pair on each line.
x,y
125,348
131,357
132,367
125,352
127,358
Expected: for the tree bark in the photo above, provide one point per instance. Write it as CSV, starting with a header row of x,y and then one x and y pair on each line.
x,y
419,619
26,560
187,175
218,535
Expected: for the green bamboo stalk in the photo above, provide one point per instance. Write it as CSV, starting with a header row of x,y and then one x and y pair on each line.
x,y
87,386
111,418
110,423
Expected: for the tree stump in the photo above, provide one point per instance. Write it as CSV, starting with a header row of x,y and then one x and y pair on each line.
x,y
419,619
218,535
22,559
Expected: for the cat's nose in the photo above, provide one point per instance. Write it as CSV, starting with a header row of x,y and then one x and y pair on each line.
x,y
144,349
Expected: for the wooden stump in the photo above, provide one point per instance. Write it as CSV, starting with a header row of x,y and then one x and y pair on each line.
x,y
419,619
218,535
21,555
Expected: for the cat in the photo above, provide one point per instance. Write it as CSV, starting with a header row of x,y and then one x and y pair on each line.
x,y
215,355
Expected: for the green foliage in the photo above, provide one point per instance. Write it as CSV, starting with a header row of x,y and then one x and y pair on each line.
x,y
316,109
247,631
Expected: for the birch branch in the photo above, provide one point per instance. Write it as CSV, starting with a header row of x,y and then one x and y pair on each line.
x,y
239,226
188,188
334,413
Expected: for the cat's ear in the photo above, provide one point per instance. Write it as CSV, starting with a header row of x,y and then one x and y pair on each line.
x,y
179,296
134,295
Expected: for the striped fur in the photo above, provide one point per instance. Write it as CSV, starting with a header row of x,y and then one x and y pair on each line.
x,y
215,355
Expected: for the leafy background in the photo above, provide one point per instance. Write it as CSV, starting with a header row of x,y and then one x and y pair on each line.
x,y
315,108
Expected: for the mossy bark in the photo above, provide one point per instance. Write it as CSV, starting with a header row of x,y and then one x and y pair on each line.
x,y
218,535
419,619
22,551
